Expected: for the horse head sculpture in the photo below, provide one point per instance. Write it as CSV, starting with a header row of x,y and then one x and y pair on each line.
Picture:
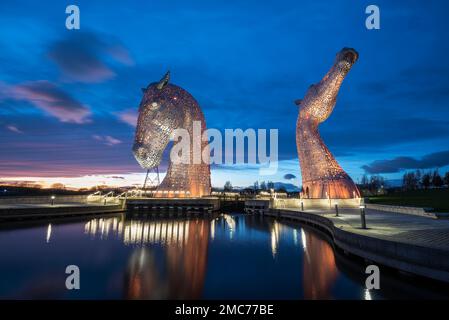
x,y
322,176
164,108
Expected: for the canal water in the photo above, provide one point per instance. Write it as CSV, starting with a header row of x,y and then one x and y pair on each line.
x,y
223,256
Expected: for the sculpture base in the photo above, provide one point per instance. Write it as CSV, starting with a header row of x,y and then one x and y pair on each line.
x,y
343,188
307,203
330,203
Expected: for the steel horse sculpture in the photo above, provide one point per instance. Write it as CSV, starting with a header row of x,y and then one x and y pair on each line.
x,y
322,176
164,108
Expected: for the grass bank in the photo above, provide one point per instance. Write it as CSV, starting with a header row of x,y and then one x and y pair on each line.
x,y
438,199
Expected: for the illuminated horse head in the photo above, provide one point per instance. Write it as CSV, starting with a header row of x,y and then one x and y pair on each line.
x,y
322,176
164,108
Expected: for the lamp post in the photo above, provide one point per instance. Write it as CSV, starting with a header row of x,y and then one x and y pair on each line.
x,y
336,208
53,200
362,215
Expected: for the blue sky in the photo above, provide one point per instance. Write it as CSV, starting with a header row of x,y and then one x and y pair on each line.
x,y
67,97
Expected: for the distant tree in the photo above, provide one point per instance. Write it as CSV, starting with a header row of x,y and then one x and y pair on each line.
x,y
263,185
227,186
410,181
376,183
57,186
426,180
256,185
364,181
437,181
446,179
418,176
270,185
405,181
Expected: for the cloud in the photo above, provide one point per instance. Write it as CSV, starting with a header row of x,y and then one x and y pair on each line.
x,y
107,140
289,176
118,177
54,101
432,160
86,57
128,116
13,128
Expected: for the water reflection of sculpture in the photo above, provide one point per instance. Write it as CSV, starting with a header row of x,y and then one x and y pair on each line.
x,y
319,267
322,176
185,244
320,270
164,108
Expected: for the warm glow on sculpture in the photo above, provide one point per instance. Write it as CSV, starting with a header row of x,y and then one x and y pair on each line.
x,y
164,108
322,176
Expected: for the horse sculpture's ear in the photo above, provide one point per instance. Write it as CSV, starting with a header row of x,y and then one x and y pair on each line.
x,y
298,102
164,80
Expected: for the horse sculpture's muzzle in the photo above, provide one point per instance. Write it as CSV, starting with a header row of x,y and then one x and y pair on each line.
x,y
145,156
346,58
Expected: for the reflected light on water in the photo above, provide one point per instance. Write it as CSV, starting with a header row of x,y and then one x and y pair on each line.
x,y
278,229
48,233
275,229
319,267
320,270
368,295
303,240
178,274
212,229
183,240
140,231
230,222
155,257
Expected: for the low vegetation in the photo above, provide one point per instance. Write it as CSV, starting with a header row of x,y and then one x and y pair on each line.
x,y
438,199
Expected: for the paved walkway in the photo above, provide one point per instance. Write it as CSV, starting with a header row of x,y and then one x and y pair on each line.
x,y
421,231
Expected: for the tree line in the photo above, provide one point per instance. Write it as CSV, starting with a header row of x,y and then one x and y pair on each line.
x,y
256,186
418,179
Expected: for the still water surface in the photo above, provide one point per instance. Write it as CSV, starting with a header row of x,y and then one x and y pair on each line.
x,y
226,256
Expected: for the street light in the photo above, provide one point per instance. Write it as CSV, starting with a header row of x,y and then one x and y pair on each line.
x,y
336,208
53,200
362,215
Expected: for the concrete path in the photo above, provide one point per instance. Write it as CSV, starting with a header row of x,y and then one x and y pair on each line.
x,y
420,231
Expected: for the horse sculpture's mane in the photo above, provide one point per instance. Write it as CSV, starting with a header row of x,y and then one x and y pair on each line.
x,y
164,108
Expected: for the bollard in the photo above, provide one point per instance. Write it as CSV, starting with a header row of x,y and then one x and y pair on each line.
x,y
362,216
302,206
336,210
53,200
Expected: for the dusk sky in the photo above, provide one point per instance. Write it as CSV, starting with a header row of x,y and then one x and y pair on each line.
x,y
68,98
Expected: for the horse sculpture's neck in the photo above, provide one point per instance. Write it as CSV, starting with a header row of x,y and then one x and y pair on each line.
x,y
322,176
190,179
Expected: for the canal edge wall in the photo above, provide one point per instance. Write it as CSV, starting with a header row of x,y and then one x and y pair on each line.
x,y
422,261
12,214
